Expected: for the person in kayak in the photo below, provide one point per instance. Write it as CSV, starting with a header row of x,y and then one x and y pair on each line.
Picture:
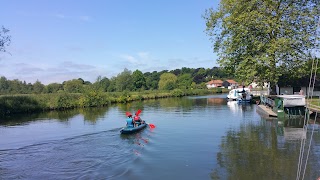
x,y
137,120
129,120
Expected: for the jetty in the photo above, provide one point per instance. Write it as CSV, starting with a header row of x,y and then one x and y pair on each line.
x,y
282,106
266,110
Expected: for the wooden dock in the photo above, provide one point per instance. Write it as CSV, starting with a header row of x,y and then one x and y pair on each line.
x,y
266,110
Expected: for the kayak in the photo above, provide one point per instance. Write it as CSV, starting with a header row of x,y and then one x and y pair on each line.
x,y
129,130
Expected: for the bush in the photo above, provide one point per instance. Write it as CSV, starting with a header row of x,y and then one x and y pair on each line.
x,y
177,93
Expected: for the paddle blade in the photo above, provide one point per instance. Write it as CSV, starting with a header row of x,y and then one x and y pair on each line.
x,y
152,126
138,112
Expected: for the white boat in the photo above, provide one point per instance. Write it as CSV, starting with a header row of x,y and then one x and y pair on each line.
x,y
240,94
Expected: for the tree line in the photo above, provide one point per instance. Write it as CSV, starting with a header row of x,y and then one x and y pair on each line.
x,y
184,78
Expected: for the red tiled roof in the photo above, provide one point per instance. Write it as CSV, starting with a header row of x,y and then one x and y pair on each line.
x,y
215,82
231,81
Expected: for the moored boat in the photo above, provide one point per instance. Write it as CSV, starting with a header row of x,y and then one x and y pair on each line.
x,y
241,95
130,130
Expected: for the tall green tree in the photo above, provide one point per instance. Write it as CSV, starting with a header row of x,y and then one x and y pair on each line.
x,y
263,38
38,87
184,81
54,87
138,80
124,81
102,84
152,79
167,81
73,86
4,85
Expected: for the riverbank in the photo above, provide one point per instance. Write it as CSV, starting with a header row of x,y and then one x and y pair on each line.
x,y
14,104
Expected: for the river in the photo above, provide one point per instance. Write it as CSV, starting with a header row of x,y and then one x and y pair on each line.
x,y
199,137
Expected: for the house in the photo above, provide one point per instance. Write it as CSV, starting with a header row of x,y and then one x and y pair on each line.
x,y
230,84
214,83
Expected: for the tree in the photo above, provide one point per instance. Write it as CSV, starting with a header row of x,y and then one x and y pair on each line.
x,y
184,81
5,39
260,39
102,83
152,79
138,80
199,75
38,87
123,81
167,81
4,85
54,88
73,86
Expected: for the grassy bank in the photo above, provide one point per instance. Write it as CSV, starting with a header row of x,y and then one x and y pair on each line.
x,y
13,104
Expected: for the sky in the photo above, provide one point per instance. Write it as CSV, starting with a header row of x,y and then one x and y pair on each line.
x,y
59,40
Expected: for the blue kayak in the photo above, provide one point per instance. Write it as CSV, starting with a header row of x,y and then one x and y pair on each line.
x,y
129,130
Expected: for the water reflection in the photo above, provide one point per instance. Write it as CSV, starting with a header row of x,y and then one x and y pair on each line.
x,y
93,114
235,107
139,140
247,152
216,101
90,115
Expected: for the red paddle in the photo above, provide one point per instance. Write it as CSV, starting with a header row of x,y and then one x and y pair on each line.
x,y
152,126
138,112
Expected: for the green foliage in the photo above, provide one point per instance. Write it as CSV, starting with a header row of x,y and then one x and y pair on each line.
x,y
124,81
18,104
67,101
138,79
73,86
177,93
38,88
260,39
124,97
152,80
184,81
53,88
93,98
102,84
167,81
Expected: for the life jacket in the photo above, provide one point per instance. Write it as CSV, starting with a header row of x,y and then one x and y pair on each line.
x,y
129,122
136,118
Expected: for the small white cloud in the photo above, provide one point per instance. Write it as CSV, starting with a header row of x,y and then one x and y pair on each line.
x,y
129,58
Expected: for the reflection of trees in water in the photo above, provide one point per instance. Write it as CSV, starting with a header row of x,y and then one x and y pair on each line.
x,y
93,114
252,152
19,119
131,107
90,114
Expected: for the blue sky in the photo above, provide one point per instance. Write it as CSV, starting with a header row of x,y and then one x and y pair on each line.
x,y
59,40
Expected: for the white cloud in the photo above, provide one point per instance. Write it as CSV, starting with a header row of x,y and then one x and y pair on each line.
x,y
129,58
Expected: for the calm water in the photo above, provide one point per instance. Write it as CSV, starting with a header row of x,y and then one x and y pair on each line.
x,y
202,137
